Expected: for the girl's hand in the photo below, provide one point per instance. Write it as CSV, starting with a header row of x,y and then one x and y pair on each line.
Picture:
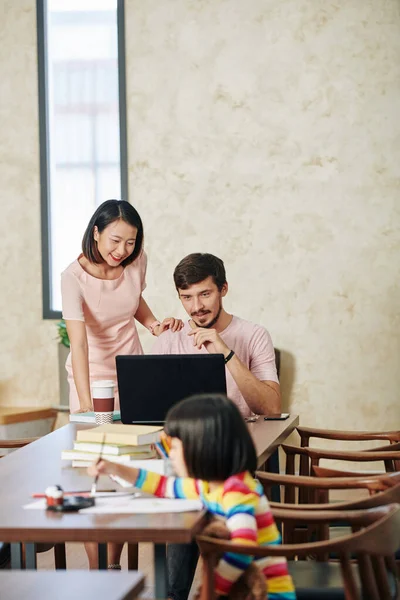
x,y
168,323
103,467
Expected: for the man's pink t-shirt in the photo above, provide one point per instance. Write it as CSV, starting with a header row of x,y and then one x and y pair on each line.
x,y
251,343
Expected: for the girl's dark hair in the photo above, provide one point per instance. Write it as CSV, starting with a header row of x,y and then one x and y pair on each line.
x,y
106,213
197,267
215,439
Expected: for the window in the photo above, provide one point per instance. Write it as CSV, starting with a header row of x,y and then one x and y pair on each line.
x,y
82,116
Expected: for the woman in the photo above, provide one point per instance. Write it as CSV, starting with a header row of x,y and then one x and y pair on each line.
x,y
102,297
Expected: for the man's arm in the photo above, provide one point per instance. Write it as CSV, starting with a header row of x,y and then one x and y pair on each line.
x,y
262,397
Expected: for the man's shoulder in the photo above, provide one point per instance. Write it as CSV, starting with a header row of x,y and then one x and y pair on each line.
x,y
247,328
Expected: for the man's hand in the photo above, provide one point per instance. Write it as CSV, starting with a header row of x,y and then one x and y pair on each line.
x,y
168,323
208,338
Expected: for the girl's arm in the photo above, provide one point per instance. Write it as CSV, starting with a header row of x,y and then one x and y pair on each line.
x,y
152,483
148,320
242,523
80,362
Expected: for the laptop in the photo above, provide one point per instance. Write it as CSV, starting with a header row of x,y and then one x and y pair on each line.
x,y
150,384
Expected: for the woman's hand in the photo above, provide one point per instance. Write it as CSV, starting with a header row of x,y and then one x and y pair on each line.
x,y
102,467
83,409
168,323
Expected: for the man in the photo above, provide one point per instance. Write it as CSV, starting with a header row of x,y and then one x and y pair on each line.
x,y
251,378
252,382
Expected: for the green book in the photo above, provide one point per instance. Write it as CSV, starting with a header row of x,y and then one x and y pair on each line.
x,y
89,417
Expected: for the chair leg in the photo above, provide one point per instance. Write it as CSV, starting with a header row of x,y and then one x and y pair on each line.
x,y
60,559
350,588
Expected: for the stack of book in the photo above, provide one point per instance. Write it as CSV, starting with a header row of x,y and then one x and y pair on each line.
x,y
115,442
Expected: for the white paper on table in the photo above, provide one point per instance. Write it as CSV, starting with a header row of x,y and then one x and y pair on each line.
x,y
131,504
142,505
42,504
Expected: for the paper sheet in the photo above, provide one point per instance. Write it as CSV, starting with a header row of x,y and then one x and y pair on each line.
x,y
142,505
130,504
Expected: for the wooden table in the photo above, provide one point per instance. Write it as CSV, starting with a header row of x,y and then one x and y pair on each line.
x,y
64,585
33,468
268,435
20,414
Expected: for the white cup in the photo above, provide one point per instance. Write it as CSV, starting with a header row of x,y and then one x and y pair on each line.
x,y
103,400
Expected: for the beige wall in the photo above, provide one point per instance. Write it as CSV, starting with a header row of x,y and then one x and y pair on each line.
x,y
265,132
28,365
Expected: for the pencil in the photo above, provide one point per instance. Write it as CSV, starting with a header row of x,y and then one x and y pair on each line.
x,y
165,445
94,484
161,451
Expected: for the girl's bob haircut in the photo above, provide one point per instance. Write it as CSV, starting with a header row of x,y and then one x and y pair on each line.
x,y
215,439
105,214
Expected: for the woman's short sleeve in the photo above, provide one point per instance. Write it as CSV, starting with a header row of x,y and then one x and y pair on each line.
x,y
71,295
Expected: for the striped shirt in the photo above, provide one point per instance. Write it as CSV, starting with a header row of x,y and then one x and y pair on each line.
x,y
241,501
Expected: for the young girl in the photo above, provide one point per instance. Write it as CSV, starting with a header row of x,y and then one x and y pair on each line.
x,y
102,298
213,456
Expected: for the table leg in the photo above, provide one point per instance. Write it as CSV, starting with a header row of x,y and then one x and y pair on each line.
x,y
60,558
30,556
103,561
133,557
16,556
160,566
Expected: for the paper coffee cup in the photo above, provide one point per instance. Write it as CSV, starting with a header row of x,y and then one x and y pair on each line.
x,y
103,401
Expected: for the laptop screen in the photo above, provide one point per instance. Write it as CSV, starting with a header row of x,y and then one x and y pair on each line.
x,y
150,384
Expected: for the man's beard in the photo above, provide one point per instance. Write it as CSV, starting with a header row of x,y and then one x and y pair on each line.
x,y
211,323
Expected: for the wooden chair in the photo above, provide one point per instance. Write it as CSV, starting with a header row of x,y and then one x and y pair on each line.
x,y
319,488
60,560
374,539
292,483
308,433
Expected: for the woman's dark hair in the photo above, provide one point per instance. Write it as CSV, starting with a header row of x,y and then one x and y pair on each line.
x,y
215,439
106,213
197,267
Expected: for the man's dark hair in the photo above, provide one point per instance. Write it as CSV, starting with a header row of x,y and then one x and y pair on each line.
x,y
216,441
107,213
197,267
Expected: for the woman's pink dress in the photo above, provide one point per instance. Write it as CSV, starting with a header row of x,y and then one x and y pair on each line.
x,y
107,308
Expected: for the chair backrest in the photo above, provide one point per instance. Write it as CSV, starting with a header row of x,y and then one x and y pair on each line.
x,y
310,457
375,537
306,433
278,361
318,487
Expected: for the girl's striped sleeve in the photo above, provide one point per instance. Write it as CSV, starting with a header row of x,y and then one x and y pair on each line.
x,y
239,509
168,487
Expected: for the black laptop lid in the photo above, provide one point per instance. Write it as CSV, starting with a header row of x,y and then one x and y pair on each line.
x,y
150,384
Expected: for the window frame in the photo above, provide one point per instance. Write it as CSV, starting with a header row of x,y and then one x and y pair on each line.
x,y
44,146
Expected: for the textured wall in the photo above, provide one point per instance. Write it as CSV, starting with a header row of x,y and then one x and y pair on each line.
x,y
28,351
269,133
265,132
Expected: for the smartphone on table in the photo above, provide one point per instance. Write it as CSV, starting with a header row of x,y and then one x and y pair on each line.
x,y
276,417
